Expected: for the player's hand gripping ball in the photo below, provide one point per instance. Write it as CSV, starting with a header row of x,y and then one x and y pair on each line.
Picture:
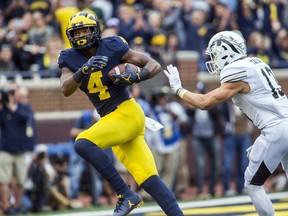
x,y
125,74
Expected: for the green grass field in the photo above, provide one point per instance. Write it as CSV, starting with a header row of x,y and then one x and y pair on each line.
x,y
227,206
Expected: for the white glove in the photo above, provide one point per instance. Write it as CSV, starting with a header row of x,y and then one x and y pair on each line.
x,y
174,80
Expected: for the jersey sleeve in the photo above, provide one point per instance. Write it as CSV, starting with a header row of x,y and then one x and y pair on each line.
x,y
233,73
62,59
123,44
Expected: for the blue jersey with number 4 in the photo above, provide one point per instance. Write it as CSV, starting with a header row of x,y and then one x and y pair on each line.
x,y
101,91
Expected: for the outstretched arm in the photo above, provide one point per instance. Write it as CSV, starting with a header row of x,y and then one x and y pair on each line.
x,y
213,98
208,100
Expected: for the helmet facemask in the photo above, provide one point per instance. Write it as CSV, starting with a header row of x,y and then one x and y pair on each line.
x,y
83,42
211,65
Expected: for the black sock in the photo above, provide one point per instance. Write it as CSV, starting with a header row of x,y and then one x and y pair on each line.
x,y
101,162
162,195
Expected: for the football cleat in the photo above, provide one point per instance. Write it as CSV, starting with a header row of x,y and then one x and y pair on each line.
x,y
125,205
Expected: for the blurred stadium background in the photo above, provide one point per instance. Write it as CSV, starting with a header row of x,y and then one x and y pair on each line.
x,y
31,36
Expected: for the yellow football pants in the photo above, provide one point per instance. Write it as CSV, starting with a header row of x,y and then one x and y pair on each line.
x,y
123,130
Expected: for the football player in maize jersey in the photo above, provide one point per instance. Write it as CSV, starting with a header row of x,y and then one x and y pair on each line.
x,y
122,123
253,87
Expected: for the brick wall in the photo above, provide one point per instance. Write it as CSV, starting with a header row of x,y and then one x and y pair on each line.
x,y
51,99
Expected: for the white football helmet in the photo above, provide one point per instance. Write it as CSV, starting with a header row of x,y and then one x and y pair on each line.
x,y
224,48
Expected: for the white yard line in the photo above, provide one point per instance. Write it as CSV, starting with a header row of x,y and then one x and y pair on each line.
x,y
184,205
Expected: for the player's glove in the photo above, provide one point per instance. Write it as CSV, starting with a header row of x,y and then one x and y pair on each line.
x,y
94,63
174,80
130,77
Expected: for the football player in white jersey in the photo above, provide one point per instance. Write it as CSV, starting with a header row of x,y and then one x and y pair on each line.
x,y
252,86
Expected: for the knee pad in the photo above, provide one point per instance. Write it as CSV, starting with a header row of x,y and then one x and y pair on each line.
x,y
250,188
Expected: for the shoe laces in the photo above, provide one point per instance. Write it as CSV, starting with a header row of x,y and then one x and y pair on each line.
x,y
119,202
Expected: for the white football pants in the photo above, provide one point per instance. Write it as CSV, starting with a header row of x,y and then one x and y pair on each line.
x,y
271,147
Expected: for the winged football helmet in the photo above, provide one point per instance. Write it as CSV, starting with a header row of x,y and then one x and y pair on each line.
x,y
224,48
84,20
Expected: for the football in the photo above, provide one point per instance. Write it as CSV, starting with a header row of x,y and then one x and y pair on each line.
x,y
120,69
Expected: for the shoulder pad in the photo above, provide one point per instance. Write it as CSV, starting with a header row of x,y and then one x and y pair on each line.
x,y
115,44
233,73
